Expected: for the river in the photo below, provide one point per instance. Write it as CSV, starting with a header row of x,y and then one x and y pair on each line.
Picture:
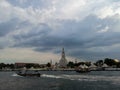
x,y
62,80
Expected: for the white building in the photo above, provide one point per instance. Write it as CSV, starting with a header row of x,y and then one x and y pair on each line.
x,y
63,60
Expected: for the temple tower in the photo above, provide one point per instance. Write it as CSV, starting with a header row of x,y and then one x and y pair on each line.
x,y
63,60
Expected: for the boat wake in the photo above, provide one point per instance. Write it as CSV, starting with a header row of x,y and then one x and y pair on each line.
x,y
50,76
113,79
15,75
90,78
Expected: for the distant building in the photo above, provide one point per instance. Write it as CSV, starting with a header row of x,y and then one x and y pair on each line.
x,y
21,65
63,60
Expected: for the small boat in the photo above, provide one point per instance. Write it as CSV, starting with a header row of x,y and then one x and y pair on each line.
x,y
29,74
83,69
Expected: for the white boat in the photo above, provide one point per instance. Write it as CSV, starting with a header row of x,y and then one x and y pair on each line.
x,y
83,69
29,73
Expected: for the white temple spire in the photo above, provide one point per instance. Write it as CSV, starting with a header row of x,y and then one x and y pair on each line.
x,y
63,60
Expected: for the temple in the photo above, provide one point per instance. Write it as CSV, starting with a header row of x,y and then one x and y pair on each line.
x,y
63,60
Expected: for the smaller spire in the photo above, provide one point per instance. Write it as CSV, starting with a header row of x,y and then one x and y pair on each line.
x,y
63,53
63,49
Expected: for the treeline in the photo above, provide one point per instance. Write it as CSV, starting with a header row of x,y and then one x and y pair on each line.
x,y
73,65
26,65
31,65
108,61
3,65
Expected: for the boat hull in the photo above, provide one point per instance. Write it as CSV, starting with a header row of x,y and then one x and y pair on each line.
x,y
81,71
30,75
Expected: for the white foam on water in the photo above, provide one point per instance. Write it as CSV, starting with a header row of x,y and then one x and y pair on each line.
x,y
15,75
50,76
112,79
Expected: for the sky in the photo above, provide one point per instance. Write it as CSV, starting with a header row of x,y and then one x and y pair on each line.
x,y
37,30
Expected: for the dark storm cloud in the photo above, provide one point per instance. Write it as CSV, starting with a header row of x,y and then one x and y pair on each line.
x,y
39,30
6,27
79,34
34,36
75,36
12,25
93,56
87,29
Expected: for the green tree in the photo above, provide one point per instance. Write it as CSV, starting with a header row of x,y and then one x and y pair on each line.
x,y
109,61
99,63
70,64
2,65
29,65
48,64
12,66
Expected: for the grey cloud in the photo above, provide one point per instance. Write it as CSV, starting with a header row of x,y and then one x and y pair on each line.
x,y
88,55
34,37
33,3
82,38
76,36
115,0
43,49
12,25
6,27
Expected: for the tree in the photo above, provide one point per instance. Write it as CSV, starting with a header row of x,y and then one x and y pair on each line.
x,y
88,63
99,63
29,65
109,61
2,65
70,64
48,64
12,66
36,66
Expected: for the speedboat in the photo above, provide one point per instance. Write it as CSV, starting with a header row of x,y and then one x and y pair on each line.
x,y
29,74
83,70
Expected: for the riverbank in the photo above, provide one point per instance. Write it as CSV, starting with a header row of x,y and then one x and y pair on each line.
x,y
105,69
